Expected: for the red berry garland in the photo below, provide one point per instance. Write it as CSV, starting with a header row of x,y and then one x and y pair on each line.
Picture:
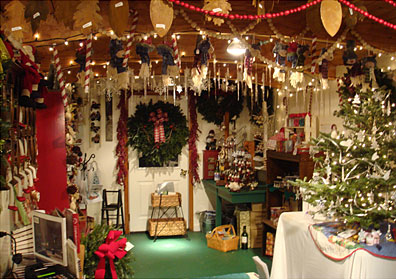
x,y
285,13
193,138
121,137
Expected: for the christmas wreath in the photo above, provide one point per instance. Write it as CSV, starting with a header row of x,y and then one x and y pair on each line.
x,y
213,108
158,132
93,242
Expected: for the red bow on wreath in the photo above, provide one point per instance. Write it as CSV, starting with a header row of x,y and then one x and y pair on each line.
x,y
111,249
158,120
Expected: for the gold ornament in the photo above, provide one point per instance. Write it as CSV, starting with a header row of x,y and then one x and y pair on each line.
x,y
217,6
15,23
118,16
36,12
331,16
161,15
64,11
87,17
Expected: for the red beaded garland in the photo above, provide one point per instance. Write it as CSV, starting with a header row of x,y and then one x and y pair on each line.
x,y
287,12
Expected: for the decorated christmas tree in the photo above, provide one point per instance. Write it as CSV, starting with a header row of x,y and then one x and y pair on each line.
x,y
355,172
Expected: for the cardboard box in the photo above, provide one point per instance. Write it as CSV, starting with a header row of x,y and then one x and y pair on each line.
x,y
256,220
256,238
258,207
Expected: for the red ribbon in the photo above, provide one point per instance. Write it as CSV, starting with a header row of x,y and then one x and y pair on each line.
x,y
158,120
110,249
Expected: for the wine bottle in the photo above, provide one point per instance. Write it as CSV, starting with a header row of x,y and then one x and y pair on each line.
x,y
244,239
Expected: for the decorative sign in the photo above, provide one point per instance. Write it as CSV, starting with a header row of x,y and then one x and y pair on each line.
x,y
119,4
16,28
160,25
87,24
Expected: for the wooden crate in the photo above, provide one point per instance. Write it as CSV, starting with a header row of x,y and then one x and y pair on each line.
x,y
166,200
215,241
167,227
209,163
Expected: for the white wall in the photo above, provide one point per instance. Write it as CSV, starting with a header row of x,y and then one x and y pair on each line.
x,y
5,225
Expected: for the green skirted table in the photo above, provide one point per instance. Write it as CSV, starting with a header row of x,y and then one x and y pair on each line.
x,y
244,196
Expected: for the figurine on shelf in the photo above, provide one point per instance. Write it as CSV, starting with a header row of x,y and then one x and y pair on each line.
x,y
211,141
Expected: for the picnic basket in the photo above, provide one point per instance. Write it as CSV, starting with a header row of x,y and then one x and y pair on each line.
x,y
223,238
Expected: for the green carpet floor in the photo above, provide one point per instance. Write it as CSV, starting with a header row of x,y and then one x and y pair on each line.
x,y
176,257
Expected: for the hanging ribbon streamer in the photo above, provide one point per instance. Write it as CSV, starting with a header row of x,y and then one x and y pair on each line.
x,y
88,63
111,249
256,86
130,39
59,75
158,120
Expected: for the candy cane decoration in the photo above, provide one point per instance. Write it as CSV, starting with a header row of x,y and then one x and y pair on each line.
x,y
59,75
176,51
88,63
130,39
314,55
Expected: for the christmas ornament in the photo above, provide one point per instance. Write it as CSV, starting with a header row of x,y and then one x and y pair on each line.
x,y
169,68
161,15
331,16
15,24
118,16
369,64
64,11
88,63
135,17
200,65
280,52
116,70
324,69
87,18
36,12
217,6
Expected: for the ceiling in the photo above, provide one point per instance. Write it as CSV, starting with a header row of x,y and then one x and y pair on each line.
x,y
373,33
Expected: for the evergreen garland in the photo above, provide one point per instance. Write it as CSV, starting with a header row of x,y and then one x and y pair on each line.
x,y
141,134
213,107
92,241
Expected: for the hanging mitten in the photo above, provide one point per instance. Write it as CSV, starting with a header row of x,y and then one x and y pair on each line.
x,y
292,53
297,76
200,68
324,69
280,52
169,68
349,56
115,69
142,49
369,64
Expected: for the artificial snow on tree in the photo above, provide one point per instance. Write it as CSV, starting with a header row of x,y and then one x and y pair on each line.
x,y
15,24
87,17
355,175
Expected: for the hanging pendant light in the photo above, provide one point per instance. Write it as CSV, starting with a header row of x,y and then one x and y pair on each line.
x,y
236,48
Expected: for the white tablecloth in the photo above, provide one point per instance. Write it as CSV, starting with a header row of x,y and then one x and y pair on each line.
x,y
296,256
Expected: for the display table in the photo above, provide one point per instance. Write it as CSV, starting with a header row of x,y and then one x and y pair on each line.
x,y
296,255
244,196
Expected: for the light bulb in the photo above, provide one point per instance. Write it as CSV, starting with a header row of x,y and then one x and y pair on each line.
x,y
81,44
51,49
66,42
69,72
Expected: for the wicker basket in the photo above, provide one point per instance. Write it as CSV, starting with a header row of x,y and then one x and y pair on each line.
x,y
215,241
166,200
167,226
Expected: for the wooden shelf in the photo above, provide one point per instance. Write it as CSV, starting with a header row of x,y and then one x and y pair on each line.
x,y
295,127
270,223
